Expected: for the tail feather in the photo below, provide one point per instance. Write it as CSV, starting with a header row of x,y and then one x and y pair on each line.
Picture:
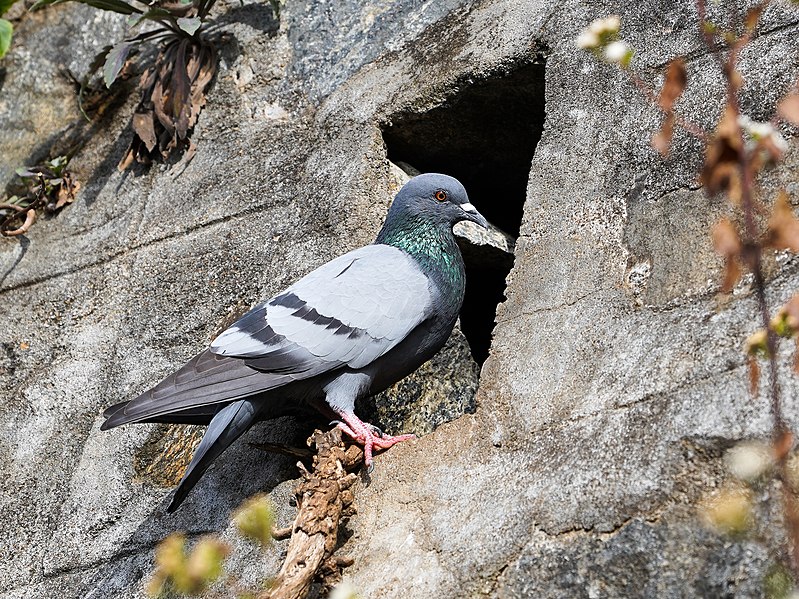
x,y
206,381
227,426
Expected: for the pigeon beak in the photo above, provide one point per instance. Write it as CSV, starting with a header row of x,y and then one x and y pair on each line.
x,y
473,215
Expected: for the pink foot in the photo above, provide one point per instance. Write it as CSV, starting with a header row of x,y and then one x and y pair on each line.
x,y
368,436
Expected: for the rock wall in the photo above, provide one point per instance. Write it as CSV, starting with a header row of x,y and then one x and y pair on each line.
x,y
615,379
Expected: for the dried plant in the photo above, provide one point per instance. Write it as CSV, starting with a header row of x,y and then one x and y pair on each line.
x,y
736,153
46,188
173,88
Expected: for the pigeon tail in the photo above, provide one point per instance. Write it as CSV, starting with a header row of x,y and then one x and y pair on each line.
x,y
227,426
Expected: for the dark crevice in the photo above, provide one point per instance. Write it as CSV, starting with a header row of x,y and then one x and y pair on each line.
x,y
485,135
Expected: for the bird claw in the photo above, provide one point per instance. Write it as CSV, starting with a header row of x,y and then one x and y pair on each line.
x,y
368,435
348,431
376,430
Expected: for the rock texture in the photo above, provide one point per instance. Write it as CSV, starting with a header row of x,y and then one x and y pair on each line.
x,y
615,379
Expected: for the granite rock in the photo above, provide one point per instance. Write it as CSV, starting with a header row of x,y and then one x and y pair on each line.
x,y
615,378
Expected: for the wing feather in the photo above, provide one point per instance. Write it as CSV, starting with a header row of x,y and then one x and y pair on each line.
x,y
350,311
206,379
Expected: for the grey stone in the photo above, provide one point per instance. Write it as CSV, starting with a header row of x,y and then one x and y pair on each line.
x,y
615,379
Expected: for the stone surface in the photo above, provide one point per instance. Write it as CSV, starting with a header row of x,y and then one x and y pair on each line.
x,y
615,379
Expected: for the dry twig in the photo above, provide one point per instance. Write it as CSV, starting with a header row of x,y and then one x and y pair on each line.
x,y
324,497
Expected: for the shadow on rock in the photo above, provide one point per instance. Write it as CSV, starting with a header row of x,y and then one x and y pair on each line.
x,y
24,244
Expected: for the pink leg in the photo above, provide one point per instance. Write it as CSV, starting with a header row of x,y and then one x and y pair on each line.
x,y
362,433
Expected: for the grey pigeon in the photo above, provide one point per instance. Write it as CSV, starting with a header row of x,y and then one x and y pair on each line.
x,y
349,329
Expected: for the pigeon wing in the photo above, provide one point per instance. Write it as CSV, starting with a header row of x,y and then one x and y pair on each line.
x,y
348,312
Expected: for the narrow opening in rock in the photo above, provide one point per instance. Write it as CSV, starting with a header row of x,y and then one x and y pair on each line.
x,y
485,136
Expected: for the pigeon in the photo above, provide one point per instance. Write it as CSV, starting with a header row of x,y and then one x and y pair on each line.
x,y
347,330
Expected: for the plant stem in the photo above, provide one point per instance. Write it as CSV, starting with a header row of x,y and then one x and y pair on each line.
x,y
781,436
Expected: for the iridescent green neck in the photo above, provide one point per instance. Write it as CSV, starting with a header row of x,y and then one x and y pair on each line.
x,y
434,248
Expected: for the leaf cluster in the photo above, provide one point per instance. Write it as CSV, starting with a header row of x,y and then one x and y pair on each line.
x,y
191,572
183,572
255,519
173,89
47,187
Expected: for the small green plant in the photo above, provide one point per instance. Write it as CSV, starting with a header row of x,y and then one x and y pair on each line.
x,y
255,519
186,573
47,187
6,28
173,88
190,573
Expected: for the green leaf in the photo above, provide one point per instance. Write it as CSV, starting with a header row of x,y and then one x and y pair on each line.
x,y
94,66
255,519
24,172
115,61
156,14
58,163
189,24
112,5
5,5
777,583
6,29
275,7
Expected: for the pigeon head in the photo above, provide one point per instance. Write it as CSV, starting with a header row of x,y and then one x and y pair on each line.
x,y
436,198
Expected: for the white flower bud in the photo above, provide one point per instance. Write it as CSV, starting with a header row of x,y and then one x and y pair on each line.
x,y
607,26
617,52
749,460
587,40
745,122
612,24
761,130
343,590
781,144
757,131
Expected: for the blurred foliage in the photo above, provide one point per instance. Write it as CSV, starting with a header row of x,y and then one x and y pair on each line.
x,y
777,584
255,519
191,573
186,573
737,152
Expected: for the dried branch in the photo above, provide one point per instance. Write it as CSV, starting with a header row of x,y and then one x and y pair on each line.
x,y
30,217
737,178
324,497
693,128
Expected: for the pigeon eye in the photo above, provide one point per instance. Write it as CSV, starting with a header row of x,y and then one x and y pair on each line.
x,y
440,195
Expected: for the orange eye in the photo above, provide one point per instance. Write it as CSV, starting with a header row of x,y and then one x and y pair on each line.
x,y
440,195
